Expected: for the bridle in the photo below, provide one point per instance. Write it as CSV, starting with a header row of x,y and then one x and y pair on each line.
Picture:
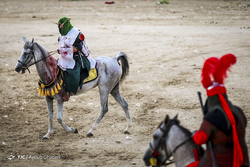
x,y
29,58
162,143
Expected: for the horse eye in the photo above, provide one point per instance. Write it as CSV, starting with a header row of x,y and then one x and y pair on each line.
x,y
26,53
154,136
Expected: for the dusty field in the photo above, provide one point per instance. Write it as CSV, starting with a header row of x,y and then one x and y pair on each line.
x,y
166,44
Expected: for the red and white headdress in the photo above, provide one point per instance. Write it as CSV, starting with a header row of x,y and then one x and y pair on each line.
x,y
216,69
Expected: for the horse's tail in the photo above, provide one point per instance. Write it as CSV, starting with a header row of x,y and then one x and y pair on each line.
x,y
125,65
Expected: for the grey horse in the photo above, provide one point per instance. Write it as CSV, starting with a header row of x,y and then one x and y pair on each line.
x,y
171,139
110,75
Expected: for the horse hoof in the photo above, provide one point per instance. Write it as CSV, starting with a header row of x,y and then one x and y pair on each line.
x,y
76,131
90,135
126,132
45,138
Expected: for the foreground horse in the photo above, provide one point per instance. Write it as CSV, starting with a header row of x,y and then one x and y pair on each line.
x,y
171,139
110,75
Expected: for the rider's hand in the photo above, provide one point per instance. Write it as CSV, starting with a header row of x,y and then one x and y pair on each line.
x,y
74,49
58,51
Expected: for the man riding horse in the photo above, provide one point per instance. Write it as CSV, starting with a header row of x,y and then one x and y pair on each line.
x,y
224,123
75,59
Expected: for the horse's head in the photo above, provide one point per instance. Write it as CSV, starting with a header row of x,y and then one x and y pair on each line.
x,y
158,152
26,57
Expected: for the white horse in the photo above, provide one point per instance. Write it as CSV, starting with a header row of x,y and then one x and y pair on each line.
x,y
110,75
171,139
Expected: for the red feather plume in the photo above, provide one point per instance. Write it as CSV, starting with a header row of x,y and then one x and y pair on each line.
x,y
208,70
216,68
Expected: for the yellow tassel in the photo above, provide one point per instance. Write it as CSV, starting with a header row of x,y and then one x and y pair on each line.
x,y
39,90
48,92
58,86
61,82
42,92
45,93
56,91
52,92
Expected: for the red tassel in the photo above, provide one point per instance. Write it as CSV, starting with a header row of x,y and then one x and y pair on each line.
x,y
196,154
238,155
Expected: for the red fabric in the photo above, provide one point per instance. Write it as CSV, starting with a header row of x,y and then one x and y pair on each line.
x,y
194,164
196,154
81,37
112,2
217,68
238,155
200,137
197,159
216,90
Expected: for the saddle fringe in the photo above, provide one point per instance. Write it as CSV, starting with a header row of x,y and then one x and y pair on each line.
x,y
52,88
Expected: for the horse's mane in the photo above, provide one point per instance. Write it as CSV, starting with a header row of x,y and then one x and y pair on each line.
x,y
176,122
44,51
50,60
185,130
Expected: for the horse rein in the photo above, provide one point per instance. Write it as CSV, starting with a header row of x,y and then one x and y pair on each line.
x,y
163,138
25,64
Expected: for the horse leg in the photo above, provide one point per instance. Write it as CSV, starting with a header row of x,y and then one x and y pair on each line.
x,y
60,115
49,102
104,110
118,97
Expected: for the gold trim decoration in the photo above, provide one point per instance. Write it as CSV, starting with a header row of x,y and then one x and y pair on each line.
x,y
52,88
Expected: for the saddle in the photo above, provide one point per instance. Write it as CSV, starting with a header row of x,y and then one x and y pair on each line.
x,y
61,80
93,74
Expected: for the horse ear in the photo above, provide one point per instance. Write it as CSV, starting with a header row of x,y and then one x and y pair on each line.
x,y
24,39
176,117
166,120
32,40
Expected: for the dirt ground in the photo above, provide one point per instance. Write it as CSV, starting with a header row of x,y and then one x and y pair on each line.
x,y
166,45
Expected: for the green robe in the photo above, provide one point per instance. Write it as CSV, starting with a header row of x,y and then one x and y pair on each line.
x,y
74,77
